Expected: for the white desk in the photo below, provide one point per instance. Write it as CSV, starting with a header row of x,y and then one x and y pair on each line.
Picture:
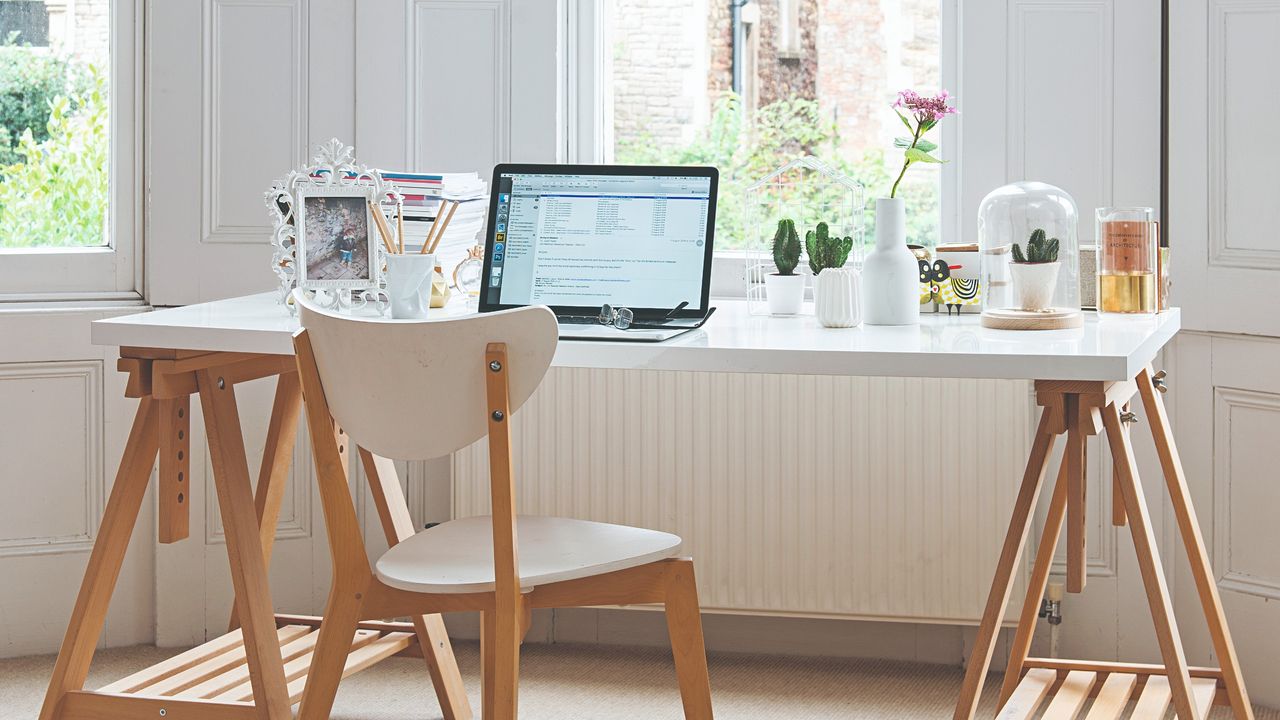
x,y
733,340
1085,379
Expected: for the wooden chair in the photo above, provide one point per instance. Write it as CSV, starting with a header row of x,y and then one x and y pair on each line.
x,y
419,390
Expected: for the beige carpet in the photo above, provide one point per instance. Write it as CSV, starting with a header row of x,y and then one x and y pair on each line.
x,y
575,682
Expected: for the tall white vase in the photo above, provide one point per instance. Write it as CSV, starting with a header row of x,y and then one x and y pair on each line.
x,y
891,273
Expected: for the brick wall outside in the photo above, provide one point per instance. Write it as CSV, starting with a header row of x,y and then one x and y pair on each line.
x,y
852,61
660,58
81,29
93,32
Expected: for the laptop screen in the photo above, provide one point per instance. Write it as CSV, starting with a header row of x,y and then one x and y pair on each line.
x,y
580,237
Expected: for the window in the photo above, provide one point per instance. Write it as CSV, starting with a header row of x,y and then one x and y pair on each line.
x,y
67,149
750,85
54,123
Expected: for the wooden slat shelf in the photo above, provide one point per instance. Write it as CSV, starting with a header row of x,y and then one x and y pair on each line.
x,y
1071,689
217,671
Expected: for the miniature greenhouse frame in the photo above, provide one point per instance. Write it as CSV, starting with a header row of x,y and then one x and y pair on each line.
x,y
807,191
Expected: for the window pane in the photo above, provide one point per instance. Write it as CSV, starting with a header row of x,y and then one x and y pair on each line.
x,y
816,77
54,129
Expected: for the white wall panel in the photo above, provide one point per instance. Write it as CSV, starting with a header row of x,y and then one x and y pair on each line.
x,y
1245,425
819,496
254,110
452,114
1060,99
1223,220
47,406
65,424
1244,219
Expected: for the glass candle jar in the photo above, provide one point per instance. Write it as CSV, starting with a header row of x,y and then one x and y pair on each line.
x,y
1126,260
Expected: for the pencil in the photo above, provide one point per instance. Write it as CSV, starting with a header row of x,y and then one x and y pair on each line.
x,y
377,214
400,225
443,227
431,231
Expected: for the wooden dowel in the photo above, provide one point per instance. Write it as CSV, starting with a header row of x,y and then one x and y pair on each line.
x,y
440,233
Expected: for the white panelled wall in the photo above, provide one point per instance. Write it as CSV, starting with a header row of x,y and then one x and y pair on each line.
x,y
1224,228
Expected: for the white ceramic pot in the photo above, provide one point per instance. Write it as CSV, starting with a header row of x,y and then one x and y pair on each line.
x,y
785,293
891,273
1033,284
836,299
409,284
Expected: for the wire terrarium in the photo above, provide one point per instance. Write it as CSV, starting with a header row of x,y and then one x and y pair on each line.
x,y
805,192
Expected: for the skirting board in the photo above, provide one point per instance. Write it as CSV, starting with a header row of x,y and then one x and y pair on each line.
x,y
812,637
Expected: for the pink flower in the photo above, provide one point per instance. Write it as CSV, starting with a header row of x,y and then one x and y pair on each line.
x,y
926,109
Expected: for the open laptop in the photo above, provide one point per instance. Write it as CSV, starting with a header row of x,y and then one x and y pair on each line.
x,y
579,237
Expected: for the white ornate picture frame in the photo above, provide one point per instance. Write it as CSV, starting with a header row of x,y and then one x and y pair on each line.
x,y
333,172
336,238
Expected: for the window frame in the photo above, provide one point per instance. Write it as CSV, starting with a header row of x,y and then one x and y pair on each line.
x,y
113,272
586,122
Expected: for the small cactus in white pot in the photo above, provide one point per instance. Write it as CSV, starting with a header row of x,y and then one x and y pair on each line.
x,y
1035,272
785,288
835,287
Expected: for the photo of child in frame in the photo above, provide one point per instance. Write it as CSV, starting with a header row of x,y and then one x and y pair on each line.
x,y
337,238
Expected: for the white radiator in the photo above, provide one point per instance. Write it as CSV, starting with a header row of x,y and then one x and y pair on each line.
x,y
879,498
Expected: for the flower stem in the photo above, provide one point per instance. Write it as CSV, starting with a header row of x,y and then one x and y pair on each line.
x,y
914,139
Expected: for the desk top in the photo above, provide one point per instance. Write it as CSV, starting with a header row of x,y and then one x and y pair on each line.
x,y
733,340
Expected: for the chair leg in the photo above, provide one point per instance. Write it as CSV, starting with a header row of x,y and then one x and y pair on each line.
x,y
487,648
684,625
337,631
500,661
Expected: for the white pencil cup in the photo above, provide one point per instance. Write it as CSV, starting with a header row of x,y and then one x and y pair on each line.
x,y
409,284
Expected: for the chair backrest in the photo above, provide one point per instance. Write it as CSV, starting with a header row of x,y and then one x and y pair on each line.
x,y
415,390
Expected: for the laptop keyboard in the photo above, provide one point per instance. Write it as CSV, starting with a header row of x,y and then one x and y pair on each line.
x,y
578,319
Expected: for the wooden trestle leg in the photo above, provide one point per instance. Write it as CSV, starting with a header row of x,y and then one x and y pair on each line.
x,y
1019,529
105,560
244,544
1193,541
1079,409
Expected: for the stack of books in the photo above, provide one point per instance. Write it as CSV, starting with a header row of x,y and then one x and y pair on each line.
x,y
429,195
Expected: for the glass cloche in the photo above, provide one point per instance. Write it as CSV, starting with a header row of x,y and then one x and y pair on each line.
x,y
1027,234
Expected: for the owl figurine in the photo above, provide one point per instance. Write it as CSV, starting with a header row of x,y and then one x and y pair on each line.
x,y
956,274
932,276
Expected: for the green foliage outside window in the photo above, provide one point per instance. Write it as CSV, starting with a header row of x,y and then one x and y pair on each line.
x,y
746,149
30,80
55,179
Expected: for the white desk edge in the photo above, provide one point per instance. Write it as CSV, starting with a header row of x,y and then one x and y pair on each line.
x,y
1109,348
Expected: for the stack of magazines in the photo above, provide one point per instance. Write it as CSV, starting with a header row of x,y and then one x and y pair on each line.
x,y
430,195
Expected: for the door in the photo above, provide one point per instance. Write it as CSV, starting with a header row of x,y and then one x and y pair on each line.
x,y
241,92
1222,229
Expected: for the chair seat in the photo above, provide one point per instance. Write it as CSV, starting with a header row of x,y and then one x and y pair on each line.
x,y
457,556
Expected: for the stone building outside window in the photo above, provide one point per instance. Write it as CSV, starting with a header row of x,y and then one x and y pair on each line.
x,y
817,77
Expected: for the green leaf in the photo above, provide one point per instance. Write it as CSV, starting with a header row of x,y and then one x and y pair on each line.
x,y
921,144
905,121
917,155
